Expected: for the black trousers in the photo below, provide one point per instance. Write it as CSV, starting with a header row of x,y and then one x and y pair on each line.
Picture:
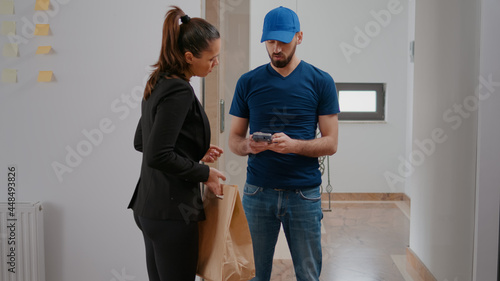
x,y
171,248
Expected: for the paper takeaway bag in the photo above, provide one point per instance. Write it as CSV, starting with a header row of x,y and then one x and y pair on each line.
x,y
225,252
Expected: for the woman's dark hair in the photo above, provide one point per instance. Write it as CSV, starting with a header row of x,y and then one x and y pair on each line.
x,y
192,35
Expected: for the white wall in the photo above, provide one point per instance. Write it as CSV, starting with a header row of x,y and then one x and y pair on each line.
x,y
488,176
443,184
410,85
367,152
101,53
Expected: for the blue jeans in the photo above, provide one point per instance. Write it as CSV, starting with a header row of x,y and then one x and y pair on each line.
x,y
299,211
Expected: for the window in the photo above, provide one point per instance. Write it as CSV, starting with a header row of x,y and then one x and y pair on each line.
x,y
361,101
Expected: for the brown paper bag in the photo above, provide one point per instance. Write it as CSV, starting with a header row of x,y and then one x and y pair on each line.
x,y
226,252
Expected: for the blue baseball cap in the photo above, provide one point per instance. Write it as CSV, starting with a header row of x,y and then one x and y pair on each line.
x,y
280,24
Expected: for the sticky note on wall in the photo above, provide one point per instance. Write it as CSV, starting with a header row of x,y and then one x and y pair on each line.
x,y
6,7
42,5
10,50
42,29
43,50
9,76
45,76
8,27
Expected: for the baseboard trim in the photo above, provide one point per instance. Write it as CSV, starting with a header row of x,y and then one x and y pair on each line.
x,y
416,268
338,196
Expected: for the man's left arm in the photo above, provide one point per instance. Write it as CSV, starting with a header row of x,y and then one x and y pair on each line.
x,y
324,145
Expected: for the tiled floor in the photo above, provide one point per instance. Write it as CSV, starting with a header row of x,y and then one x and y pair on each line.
x,y
362,241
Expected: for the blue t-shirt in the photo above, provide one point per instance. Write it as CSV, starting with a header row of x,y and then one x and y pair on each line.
x,y
291,105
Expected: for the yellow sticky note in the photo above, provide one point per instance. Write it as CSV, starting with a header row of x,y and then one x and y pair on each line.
x,y
10,50
42,5
9,76
8,27
42,50
42,29
45,76
6,7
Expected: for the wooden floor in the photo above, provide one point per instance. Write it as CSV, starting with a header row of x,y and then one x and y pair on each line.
x,y
362,241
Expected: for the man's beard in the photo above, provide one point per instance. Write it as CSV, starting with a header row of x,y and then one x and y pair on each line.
x,y
284,62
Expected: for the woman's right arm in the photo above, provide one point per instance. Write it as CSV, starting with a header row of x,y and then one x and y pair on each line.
x,y
138,137
170,116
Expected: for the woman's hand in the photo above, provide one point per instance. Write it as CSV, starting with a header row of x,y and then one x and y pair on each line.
x,y
213,153
213,183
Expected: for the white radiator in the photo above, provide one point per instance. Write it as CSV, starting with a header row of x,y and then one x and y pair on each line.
x,y
21,242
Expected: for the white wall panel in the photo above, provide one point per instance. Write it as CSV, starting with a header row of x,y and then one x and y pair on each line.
x,y
101,54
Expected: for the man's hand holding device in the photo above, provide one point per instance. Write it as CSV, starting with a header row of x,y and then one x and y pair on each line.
x,y
259,142
278,142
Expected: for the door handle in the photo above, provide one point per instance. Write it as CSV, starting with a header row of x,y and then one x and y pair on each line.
x,y
222,115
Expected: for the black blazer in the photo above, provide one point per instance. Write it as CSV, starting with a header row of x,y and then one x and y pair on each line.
x,y
173,134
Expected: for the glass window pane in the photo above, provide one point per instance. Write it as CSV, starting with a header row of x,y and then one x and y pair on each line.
x,y
358,101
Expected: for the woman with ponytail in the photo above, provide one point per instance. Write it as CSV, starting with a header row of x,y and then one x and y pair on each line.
x,y
173,135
